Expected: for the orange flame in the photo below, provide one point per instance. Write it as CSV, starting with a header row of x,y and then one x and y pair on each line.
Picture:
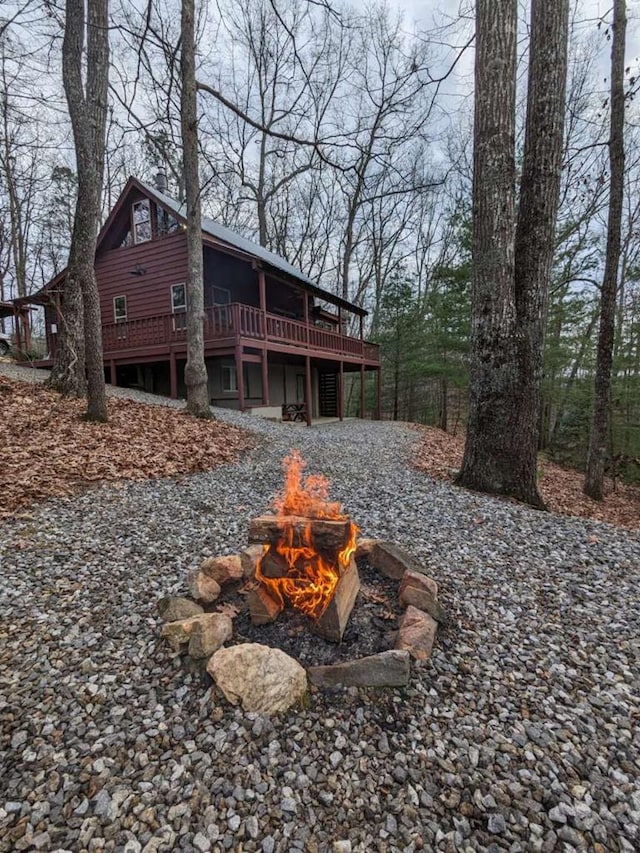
x,y
311,579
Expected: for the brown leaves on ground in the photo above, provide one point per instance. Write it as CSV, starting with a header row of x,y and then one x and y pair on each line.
x,y
47,450
440,455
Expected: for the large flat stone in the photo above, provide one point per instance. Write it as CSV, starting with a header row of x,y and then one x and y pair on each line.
x,y
386,669
422,592
203,587
223,570
417,633
263,679
209,635
203,633
392,560
173,608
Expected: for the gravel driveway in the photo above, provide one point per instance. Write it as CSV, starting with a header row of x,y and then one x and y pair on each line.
x,y
522,732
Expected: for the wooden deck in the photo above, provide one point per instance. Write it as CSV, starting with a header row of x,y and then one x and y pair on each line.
x,y
232,324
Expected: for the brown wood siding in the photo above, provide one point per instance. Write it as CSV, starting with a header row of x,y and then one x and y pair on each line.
x,y
149,294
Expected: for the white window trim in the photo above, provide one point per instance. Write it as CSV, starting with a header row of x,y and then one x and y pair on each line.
x,y
134,224
230,371
117,319
181,308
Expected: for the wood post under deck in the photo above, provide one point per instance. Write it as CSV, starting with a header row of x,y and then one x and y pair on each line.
x,y
113,374
362,390
307,388
173,375
265,377
378,395
341,391
240,377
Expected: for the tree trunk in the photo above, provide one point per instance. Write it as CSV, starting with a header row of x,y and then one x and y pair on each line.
x,y
594,479
535,231
443,408
511,265
88,113
68,375
195,373
491,449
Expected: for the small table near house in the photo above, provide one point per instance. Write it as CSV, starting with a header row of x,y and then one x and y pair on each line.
x,y
294,412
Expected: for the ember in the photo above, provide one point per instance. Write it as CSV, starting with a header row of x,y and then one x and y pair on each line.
x,y
308,555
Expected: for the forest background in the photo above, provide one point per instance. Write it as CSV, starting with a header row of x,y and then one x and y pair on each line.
x,y
377,209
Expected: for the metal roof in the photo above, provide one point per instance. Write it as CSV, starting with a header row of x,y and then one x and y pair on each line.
x,y
231,238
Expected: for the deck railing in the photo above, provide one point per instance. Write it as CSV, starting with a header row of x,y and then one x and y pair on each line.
x,y
232,321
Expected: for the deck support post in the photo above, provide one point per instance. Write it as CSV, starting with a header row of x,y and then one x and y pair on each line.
x,y
265,377
240,377
362,390
173,375
378,395
113,375
307,388
341,391
18,334
26,324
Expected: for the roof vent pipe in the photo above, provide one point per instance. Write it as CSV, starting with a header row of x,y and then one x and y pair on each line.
x,y
161,181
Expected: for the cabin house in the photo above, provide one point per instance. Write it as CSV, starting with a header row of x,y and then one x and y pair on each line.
x,y
275,342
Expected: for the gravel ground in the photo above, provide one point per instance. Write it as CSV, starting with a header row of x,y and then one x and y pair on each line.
x,y
521,733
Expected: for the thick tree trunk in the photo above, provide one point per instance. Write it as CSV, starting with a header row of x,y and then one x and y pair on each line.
x,y
535,231
195,373
491,450
68,374
511,265
594,480
88,113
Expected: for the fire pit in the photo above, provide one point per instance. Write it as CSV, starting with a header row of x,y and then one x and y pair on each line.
x,y
308,560
295,588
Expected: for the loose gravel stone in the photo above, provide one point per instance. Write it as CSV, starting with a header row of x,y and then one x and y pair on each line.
x,y
517,734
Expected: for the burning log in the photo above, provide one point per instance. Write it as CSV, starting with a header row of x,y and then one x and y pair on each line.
x,y
307,560
332,622
262,607
329,536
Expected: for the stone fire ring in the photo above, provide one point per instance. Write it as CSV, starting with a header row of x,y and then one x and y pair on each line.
x,y
267,680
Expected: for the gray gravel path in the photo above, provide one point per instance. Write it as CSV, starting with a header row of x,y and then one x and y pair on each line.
x,y
522,732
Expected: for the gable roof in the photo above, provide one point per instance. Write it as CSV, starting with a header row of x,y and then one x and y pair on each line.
x,y
220,234
225,236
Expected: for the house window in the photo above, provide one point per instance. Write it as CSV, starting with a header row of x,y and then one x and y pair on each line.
x,y
167,223
179,306
178,298
229,378
141,221
119,308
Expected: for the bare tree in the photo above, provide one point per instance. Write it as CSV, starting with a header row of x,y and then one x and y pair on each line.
x,y
195,373
88,111
512,268
594,479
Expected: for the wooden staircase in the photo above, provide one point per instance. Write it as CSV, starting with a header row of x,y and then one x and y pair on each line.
x,y
328,395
